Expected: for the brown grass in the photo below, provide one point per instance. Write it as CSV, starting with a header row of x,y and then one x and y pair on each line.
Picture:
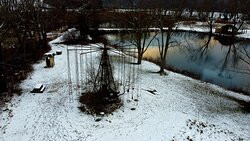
x,y
152,54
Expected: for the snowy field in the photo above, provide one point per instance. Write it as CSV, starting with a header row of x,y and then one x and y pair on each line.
x,y
181,109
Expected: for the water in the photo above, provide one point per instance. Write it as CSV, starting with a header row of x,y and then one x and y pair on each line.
x,y
225,62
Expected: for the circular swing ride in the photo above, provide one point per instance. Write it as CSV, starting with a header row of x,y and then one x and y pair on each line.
x,y
101,75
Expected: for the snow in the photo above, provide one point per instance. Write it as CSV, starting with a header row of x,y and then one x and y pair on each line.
x,y
38,86
89,37
194,28
43,89
181,108
72,33
48,54
201,27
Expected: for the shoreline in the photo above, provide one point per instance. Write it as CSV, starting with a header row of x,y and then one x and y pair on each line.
x,y
195,76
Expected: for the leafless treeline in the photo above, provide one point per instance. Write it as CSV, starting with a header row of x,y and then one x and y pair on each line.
x,y
24,24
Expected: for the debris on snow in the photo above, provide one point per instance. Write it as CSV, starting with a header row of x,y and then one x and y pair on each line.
x,y
39,88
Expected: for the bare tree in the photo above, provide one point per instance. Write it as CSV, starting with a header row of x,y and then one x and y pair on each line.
x,y
164,44
3,86
140,22
167,25
23,23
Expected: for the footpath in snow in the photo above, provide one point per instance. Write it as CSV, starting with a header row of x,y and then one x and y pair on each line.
x,y
181,109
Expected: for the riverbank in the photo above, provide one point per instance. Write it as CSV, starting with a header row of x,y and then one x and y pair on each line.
x,y
200,56
152,55
195,27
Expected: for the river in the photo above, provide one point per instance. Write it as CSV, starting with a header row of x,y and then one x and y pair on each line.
x,y
222,61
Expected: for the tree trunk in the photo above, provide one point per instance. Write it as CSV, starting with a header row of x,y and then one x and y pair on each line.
x,y
44,39
140,53
163,50
40,39
162,66
161,69
82,22
3,85
139,58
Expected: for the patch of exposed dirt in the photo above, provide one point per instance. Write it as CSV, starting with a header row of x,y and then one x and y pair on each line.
x,y
93,104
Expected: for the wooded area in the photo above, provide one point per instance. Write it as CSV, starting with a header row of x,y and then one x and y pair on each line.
x,y
25,24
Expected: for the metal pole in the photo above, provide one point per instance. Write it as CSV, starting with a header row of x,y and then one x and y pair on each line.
x,y
69,77
77,69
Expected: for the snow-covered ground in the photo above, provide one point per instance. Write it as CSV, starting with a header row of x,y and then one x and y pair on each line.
x,y
201,27
181,109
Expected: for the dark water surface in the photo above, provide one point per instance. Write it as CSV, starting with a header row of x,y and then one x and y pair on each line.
x,y
219,60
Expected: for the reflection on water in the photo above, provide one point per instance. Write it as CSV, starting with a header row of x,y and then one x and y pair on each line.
x,y
226,65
